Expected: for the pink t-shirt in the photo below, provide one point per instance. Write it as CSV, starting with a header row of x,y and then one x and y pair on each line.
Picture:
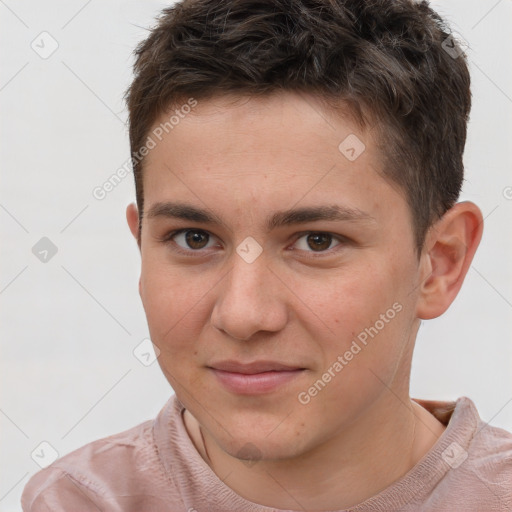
x,y
154,467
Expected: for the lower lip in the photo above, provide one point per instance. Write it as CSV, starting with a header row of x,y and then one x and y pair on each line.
x,y
257,383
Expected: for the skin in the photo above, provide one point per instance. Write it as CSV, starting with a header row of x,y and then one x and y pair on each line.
x,y
296,303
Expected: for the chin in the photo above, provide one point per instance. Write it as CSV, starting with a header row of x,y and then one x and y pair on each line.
x,y
252,450
250,442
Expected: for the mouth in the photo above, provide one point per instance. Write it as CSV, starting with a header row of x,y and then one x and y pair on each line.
x,y
254,378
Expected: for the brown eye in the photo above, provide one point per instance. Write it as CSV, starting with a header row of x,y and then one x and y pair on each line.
x,y
196,239
319,241
191,240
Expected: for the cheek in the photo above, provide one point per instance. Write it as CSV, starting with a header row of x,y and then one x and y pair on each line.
x,y
355,299
360,365
173,304
367,313
175,311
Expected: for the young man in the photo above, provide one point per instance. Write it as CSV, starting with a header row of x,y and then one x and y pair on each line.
x,y
297,169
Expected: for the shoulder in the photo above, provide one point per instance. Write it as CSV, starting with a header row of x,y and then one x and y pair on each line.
x,y
472,459
487,463
490,447
105,474
491,451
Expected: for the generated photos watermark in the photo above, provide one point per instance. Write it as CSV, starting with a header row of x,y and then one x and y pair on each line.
x,y
358,344
100,192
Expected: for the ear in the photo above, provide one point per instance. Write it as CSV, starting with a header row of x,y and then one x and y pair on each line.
x,y
449,248
132,216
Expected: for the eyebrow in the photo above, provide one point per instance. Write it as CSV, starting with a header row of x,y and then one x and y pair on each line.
x,y
279,219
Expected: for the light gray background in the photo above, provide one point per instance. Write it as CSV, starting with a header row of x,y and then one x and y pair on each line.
x,y
69,326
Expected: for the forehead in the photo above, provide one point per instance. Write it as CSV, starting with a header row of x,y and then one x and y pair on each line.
x,y
301,121
284,147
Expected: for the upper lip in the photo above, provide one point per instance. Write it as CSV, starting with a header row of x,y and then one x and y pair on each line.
x,y
253,367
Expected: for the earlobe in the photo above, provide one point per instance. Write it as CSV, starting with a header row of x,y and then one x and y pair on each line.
x,y
132,217
450,246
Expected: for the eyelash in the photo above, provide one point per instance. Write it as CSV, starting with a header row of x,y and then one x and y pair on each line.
x,y
169,240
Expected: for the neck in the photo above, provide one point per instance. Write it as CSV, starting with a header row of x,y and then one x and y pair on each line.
x,y
354,465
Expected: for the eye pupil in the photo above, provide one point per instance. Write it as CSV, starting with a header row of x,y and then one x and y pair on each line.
x,y
322,241
193,239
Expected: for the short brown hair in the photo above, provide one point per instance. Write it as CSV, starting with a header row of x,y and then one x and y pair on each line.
x,y
385,59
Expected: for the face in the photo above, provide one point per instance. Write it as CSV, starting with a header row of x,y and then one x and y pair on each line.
x,y
278,272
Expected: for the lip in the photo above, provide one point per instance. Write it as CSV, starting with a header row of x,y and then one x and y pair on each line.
x,y
254,378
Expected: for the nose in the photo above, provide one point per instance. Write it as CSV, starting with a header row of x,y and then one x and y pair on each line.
x,y
251,299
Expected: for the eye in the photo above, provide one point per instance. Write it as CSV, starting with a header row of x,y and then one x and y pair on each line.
x,y
317,241
190,240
